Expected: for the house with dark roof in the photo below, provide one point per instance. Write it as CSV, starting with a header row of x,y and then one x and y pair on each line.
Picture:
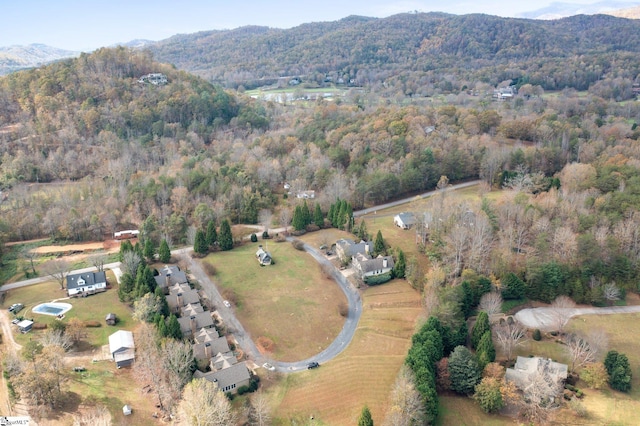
x,y
122,348
169,276
369,269
263,257
86,283
346,249
190,325
228,379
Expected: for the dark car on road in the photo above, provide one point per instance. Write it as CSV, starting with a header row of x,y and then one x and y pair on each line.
x,y
312,365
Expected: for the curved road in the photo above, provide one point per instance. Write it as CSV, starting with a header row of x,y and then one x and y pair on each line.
x,y
244,339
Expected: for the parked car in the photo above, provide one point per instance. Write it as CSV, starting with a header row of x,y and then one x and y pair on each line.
x,y
268,366
16,307
226,303
79,369
312,365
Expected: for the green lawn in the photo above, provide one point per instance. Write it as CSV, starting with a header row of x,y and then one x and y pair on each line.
x,y
290,303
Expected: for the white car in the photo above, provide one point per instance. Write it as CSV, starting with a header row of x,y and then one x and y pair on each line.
x,y
226,303
269,366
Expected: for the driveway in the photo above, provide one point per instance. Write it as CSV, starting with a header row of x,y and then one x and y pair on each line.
x,y
544,318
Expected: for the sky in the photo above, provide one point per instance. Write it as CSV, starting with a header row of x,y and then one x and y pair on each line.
x,y
84,25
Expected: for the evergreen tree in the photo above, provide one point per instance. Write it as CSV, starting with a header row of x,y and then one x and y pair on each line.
x,y
173,328
513,287
149,250
488,395
164,254
619,371
298,219
200,243
125,246
225,239
306,214
400,266
164,307
479,328
331,214
143,281
468,299
365,417
610,361
464,371
161,325
379,245
318,218
212,234
486,352
362,232
126,287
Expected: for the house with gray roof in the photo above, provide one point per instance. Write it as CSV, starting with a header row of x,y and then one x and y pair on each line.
x,y
190,325
86,283
209,349
222,361
369,268
191,309
181,295
545,375
122,348
346,249
263,256
404,220
228,379
206,335
169,276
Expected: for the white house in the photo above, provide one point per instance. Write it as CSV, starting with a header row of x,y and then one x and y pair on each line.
x,y
263,257
86,283
366,267
122,348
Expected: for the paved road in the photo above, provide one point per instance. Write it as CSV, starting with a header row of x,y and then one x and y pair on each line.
x,y
546,318
374,209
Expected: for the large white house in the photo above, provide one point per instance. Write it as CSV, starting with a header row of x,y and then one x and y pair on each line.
x,y
86,283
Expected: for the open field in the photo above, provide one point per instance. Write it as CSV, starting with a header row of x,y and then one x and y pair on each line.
x,y
290,302
364,373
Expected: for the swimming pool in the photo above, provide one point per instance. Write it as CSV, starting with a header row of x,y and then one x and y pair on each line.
x,y
53,309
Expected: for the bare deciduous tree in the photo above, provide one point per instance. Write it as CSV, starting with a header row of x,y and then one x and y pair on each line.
x,y
130,262
562,310
259,412
611,292
98,261
539,395
265,216
285,217
509,335
579,350
491,303
177,358
58,270
56,338
146,307
406,402
204,404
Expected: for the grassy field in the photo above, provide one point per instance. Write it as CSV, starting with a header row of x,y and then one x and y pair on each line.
x,y
364,373
291,302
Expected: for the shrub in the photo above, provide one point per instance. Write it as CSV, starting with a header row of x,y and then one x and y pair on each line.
x,y
537,336
93,324
378,279
298,245
243,389
38,326
209,268
578,408
254,238
343,309
265,235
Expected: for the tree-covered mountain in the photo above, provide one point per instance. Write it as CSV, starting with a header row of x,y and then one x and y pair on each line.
x,y
14,58
371,50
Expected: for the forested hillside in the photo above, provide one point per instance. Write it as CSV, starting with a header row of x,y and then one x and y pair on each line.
x,y
571,52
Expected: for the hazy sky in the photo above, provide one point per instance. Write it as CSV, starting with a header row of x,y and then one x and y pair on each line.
x,y
88,24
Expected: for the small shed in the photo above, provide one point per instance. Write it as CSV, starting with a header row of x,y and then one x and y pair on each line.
x,y
126,410
25,326
111,319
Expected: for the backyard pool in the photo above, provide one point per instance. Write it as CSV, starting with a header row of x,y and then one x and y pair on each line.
x,y
53,309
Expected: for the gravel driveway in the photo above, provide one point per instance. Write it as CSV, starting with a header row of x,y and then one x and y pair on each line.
x,y
544,318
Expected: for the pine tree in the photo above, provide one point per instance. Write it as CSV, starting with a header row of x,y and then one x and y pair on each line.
x,y
365,417
400,266
226,237
512,287
173,328
486,351
200,243
331,214
479,328
126,287
318,218
164,254
149,250
298,219
164,306
212,234
125,246
379,245
306,214
464,371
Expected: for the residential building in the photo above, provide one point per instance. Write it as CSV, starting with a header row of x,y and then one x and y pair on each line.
x,y
86,283
346,249
190,325
404,220
228,379
263,257
544,374
181,295
122,348
170,276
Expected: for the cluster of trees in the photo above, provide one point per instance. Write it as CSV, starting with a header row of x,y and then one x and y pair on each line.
x,y
619,371
209,239
302,217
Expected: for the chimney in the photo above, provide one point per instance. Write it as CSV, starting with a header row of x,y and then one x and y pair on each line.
x,y
180,300
207,350
366,248
194,325
168,280
384,262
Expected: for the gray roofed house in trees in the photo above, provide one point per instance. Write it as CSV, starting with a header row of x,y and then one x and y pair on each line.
x,y
263,256
228,379
404,220
547,375
346,249
169,276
